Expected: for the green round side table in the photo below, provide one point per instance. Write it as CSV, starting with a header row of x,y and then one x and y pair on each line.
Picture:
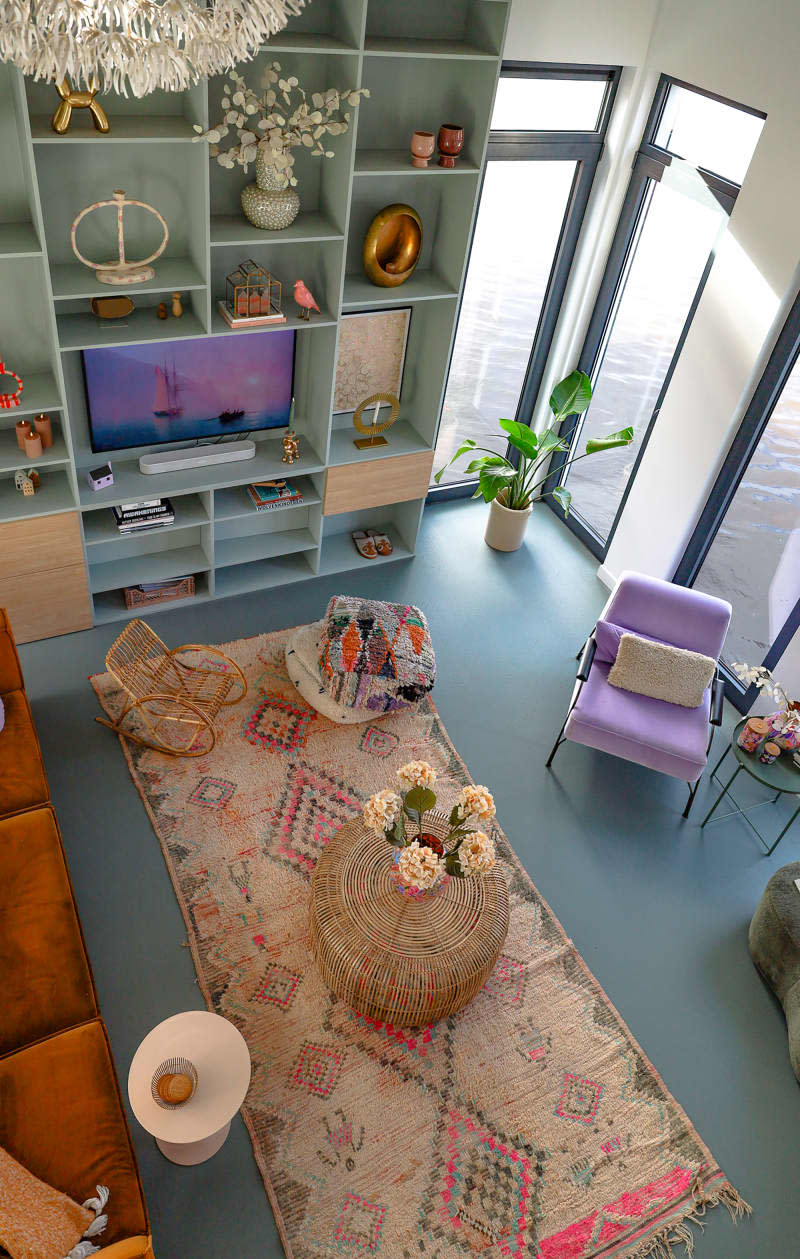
x,y
782,777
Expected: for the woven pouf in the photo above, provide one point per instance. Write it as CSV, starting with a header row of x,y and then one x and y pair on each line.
x,y
774,941
403,959
375,656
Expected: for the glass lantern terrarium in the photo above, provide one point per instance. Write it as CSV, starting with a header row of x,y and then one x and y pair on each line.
x,y
252,297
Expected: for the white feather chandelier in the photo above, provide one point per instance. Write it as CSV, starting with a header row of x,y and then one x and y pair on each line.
x,y
139,45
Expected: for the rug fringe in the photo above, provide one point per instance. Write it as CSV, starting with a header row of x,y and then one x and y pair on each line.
x,y
662,1245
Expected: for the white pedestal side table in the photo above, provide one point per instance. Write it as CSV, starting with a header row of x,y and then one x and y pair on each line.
x,y
194,1131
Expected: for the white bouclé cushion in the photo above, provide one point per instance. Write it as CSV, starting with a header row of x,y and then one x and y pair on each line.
x,y
661,671
302,665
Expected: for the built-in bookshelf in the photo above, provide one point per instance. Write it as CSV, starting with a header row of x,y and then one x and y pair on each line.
x,y
424,64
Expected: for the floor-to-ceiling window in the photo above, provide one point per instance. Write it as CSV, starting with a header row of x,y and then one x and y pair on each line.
x,y
546,139
746,547
685,180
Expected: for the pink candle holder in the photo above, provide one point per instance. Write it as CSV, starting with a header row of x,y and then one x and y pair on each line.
x,y
422,145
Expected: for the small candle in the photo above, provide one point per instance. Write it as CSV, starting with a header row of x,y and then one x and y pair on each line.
x,y
23,428
44,428
291,413
33,445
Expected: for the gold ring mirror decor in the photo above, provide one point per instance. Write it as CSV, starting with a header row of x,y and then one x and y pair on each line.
x,y
372,431
392,245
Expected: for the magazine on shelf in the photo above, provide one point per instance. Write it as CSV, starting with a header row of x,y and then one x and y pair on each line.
x,y
268,497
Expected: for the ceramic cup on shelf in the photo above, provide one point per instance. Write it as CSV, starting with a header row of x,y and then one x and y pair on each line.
x,y
451,142
422,145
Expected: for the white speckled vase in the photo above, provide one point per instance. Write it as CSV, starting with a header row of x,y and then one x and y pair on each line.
x,y
267,203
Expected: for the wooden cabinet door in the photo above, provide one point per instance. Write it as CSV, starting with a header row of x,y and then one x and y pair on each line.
x,y
43,583
397,479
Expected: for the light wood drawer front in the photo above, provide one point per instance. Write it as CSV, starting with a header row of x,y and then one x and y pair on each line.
x,y
42,604
394,480
41,544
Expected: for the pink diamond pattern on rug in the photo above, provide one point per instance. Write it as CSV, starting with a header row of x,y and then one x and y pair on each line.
x,y
378,742
507,981
278,987
214,793
618,1219
414,1041
580,1099
360,1225
312,808
317,1068
279,724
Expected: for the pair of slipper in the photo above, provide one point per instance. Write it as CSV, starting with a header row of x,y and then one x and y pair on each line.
x,y
372,544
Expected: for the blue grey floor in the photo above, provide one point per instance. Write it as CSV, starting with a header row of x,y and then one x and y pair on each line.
x,y
658,909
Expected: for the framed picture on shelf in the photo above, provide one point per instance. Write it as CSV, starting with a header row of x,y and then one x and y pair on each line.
x,y
371,358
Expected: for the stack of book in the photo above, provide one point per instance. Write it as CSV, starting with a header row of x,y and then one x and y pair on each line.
x,y
266,496
133,517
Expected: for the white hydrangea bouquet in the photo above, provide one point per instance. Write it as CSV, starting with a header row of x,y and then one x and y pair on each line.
x,y
424,858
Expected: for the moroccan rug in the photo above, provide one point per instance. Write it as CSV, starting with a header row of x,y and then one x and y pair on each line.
x,y
530,1126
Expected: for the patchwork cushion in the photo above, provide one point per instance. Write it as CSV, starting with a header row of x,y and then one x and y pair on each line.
x,y
660,671
375,656
302,665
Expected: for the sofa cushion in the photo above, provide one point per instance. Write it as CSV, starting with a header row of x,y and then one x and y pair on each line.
x,y
10,668
672,674
23,784
61,1116
651,732
36,1220
47,980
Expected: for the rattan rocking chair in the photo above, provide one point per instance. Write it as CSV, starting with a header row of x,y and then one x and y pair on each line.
x,y
174,702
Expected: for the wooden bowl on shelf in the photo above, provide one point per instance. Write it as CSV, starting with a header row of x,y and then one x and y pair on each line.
x,y
392,245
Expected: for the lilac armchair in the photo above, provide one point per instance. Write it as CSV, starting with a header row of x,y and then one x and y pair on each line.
x,y
651,732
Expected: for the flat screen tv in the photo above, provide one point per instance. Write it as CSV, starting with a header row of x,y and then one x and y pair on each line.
x,y
174,391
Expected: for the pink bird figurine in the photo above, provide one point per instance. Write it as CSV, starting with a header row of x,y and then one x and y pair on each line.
x,y
305,300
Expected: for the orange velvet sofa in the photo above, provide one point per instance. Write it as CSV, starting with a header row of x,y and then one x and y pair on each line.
x,y
61,1113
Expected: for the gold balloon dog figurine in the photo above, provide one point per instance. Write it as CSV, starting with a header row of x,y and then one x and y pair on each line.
x,y
291,447
78,100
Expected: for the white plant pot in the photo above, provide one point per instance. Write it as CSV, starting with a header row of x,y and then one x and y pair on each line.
x,y
505,529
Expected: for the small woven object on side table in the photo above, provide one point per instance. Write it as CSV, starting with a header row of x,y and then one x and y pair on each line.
x,y
394,957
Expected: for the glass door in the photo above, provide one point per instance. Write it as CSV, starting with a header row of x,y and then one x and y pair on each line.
x,y
746,547
674,213
546,138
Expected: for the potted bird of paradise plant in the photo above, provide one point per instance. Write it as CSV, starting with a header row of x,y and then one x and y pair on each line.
x,y
510,489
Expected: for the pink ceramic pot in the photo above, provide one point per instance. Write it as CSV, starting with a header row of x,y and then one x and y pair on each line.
x,y
422,145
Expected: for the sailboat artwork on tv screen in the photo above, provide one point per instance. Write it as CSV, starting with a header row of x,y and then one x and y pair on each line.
x,y
203,387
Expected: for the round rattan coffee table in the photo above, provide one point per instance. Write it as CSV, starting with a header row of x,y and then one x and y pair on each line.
x,y
391,956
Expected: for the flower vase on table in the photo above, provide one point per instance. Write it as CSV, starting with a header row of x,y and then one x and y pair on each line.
x,y
432,847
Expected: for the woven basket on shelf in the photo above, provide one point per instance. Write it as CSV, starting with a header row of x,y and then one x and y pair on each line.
x,y
392,957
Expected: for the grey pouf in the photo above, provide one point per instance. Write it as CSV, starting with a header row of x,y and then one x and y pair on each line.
x,y
774,941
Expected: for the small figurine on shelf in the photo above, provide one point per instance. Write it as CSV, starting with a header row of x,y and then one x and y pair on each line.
x,y
9,400
291,447
77,100
161,310
305,300
177,308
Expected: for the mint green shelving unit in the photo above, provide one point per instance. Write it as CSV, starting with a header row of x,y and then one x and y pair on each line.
x,y
424,63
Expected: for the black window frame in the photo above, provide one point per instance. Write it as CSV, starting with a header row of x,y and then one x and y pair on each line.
x,y
766,396
585,148
650,165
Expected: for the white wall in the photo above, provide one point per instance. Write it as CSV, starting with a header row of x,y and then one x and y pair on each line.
x,y
749,52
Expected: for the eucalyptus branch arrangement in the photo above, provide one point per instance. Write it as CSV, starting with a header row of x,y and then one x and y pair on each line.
x,y
423,857
278,120
760,677
515,487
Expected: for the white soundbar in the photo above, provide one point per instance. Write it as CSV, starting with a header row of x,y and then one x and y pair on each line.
x,y
196,456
